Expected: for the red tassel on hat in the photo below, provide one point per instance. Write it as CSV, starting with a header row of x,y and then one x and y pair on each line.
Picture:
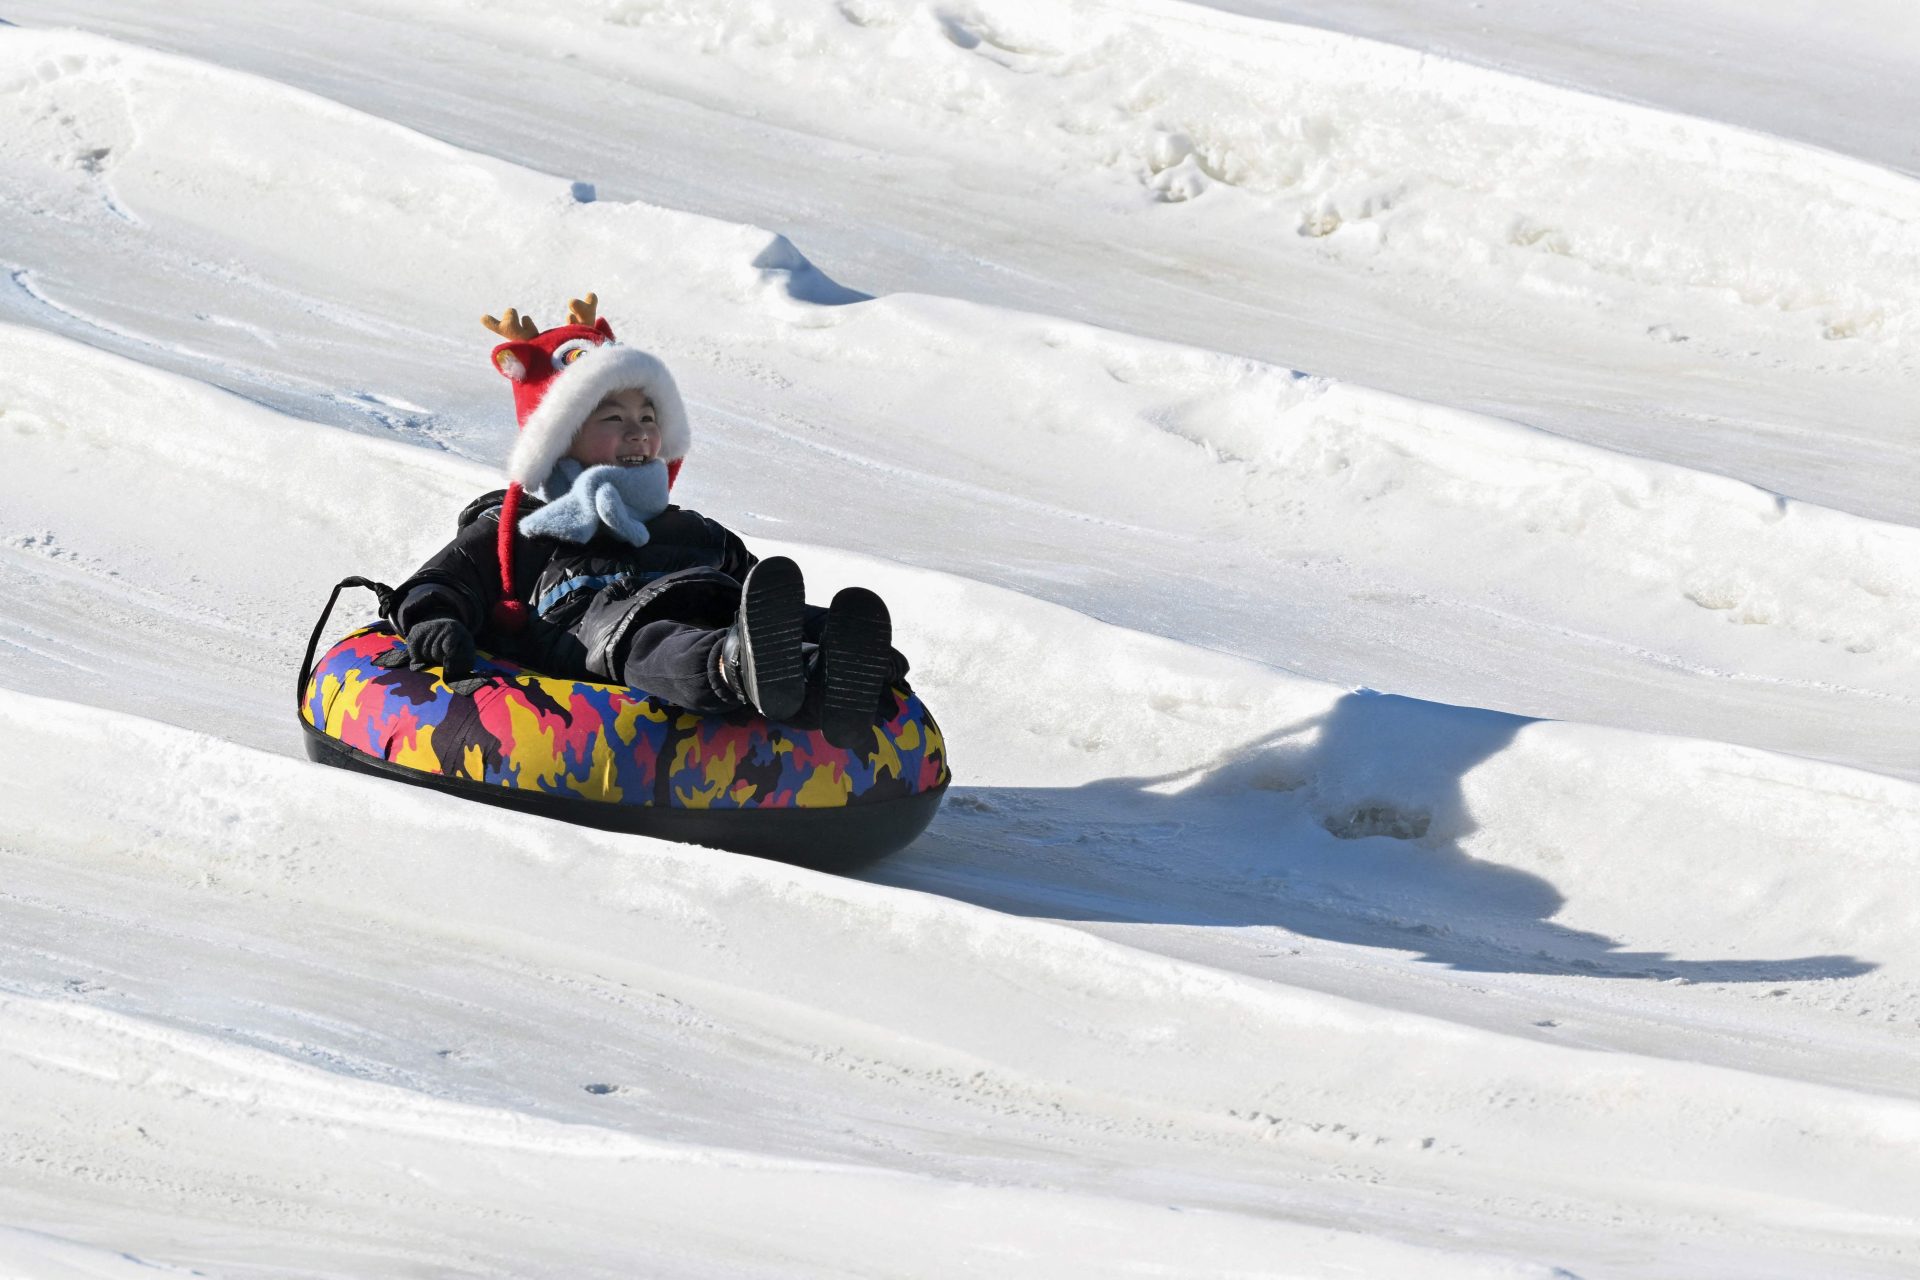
x,y
509,613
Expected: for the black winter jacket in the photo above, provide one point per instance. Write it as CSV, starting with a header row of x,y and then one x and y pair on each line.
x,y
585,598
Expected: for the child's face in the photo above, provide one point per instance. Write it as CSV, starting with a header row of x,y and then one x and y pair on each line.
x,y
622,431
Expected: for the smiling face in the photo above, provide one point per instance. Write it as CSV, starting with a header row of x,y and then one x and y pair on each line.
x,y
622,431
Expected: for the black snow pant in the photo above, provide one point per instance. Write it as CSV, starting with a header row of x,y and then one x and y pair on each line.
x,y
665,638
677,662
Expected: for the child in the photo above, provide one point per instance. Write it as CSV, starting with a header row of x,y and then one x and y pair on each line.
x,y
600,577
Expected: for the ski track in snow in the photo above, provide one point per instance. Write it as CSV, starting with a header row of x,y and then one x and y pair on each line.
x,y
1205,964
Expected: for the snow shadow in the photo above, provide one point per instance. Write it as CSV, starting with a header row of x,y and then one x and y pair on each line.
x,y
1347,826
804,281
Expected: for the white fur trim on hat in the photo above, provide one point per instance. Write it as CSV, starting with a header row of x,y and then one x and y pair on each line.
x,y
573,393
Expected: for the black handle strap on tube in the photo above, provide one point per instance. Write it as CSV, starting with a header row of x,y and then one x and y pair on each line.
x,y
380,589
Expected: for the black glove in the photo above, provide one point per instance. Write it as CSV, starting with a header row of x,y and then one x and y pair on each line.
x,y
441,642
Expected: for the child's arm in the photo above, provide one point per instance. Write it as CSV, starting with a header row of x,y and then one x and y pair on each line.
x,y
461,581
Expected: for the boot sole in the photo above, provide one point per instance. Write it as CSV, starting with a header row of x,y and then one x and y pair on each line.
x,y
856,646
772,608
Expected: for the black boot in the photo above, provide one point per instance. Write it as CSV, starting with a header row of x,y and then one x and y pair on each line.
x,y
856,651
760,656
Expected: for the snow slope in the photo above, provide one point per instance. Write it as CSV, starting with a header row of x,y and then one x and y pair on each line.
x,y
724,990
1664,284
1837,76
1217,963
1174,450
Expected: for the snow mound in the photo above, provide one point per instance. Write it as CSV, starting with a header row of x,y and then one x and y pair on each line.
x,y
42,1256
372,1176
1476,837
824,970
1395,155
1290,466
384,243
107,131
1060,698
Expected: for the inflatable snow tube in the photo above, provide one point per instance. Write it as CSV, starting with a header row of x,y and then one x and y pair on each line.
x,y
612,757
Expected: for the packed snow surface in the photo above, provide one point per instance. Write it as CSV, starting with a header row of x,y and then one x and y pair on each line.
x,y
1408,524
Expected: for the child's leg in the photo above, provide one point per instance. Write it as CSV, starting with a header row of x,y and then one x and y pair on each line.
x,y
761,657
753,661
856,651
679,663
